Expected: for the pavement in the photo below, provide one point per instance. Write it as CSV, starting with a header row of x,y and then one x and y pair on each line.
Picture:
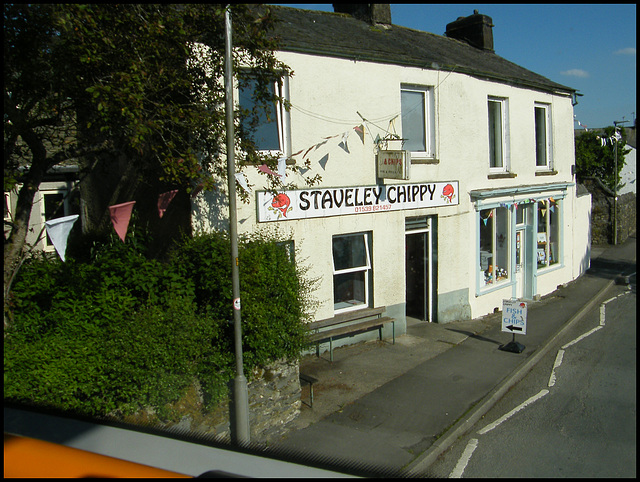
x,y
385,409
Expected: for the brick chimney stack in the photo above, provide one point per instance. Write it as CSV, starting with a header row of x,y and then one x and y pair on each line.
x,y
475,29
373,13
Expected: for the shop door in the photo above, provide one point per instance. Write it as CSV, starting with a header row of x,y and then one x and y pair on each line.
x,y
525,251
419,270
520,264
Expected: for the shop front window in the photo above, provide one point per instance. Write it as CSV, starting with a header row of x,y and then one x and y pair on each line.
x,y
494,246
548,235
351,271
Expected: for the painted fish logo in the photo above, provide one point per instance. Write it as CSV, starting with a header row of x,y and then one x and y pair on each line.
x,y
448,192
281,204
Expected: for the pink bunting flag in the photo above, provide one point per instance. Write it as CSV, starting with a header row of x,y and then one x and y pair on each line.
x,y
120,217
264,168
163,201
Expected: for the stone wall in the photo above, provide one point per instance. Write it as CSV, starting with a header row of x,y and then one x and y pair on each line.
x,y
274,404
602,213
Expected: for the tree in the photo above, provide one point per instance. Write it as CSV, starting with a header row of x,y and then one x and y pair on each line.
x,y
595,156
113,89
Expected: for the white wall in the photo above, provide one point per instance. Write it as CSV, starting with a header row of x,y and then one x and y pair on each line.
x,y
326,96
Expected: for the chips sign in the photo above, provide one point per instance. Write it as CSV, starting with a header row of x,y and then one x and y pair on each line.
x,y
394,164
514,317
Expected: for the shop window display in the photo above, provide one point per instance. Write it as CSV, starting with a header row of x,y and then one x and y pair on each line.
x,y
494,245
548,233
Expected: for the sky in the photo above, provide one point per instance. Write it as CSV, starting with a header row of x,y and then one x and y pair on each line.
x,y
590,47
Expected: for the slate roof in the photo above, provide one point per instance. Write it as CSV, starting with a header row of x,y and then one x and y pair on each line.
x,y
341,35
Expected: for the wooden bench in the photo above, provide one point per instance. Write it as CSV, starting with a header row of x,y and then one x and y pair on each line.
x,y
308,380
349,323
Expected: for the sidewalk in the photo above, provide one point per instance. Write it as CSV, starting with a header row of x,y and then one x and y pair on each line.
x,y
392,409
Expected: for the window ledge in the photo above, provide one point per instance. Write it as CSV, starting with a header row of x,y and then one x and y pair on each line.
x,y
502,175
425,161
546,173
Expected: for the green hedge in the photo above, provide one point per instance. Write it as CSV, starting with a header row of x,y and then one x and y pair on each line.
x,y
121,332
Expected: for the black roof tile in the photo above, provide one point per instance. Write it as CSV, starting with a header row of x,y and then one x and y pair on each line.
x,y
341,35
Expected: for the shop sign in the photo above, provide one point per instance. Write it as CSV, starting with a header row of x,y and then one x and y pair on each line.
x,y
514,317
394,164
340,201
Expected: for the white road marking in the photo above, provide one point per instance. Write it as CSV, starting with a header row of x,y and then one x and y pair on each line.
x,y
556,364
457,472
493,425
582,337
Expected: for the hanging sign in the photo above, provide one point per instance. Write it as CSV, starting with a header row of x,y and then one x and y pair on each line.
x,y
340,201
394,164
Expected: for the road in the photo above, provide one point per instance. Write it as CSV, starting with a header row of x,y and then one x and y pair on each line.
x,y
573,415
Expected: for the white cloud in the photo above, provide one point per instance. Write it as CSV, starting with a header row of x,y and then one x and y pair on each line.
x,y
627,51
576,73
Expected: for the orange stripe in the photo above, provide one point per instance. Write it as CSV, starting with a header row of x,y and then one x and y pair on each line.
x,y
26,457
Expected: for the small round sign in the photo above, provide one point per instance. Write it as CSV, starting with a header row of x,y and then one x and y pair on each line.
x,y
236,304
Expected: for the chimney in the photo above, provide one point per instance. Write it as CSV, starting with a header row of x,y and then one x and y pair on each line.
x,y
475,29
373,13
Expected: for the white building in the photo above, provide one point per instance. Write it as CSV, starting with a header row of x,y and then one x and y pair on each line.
x,y
486,210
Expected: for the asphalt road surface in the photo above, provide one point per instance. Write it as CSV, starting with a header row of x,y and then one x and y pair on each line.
x,y
573,415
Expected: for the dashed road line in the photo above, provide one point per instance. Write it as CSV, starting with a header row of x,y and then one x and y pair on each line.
x,y
472,445
457,472
493,425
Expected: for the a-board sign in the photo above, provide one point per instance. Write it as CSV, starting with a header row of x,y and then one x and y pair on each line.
x,y
514,317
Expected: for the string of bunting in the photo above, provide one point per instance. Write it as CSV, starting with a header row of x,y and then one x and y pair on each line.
x,y
322,162
552,204
58,229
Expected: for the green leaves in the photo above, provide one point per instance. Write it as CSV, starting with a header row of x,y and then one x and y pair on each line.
x,y
121,332
597,158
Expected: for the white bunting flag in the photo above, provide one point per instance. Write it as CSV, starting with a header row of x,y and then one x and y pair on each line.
x,y
242,180
282,169
58,230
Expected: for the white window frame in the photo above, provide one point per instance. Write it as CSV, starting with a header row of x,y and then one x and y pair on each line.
x,y
548,141
504,132
283,120
365,268
429,120
483,286
546,240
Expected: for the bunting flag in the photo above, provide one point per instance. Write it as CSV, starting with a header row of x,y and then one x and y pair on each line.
x,y
264,168
163,201
343,142
120,217
360,131
242,180
58,230
323,161
282,168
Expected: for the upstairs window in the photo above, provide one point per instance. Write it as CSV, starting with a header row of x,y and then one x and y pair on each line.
x,y
270,132
418,121
498,134
543,136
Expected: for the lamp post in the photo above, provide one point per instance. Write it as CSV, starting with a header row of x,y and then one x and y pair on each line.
x,y
615,181
240,396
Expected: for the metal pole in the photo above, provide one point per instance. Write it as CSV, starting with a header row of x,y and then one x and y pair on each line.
x,y
615,181
240,396
615,189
